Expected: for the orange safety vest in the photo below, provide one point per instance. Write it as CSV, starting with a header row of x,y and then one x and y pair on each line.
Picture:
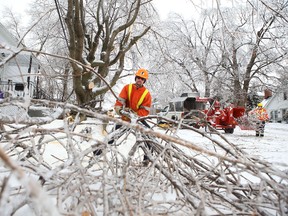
x,y
141,98
261,114
137,99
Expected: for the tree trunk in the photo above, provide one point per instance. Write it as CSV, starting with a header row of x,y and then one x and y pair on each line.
x,y
110,37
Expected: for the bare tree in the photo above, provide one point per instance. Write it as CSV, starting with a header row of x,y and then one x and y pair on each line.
x,y
250,47
100,34
200,56
227,56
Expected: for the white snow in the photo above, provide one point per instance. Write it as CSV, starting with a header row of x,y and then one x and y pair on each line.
x,y
273,147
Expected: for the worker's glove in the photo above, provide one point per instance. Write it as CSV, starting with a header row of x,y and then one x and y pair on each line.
x,y
129,114
124,112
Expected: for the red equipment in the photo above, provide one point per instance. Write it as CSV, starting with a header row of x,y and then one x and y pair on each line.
x,y
224,119
198,111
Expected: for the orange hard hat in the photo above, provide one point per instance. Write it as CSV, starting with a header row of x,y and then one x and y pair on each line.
x,y
143,73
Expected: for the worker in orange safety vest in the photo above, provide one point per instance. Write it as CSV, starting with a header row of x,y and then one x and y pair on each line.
x,y
262,116
133,98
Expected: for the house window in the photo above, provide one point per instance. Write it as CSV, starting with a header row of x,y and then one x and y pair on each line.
x,y
275,114
285,115
19,87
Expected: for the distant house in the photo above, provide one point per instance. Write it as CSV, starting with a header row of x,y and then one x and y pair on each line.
x,y
277,106
17,71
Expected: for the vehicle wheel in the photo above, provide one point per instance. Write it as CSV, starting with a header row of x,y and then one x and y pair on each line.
x,y
195,125
229,130
174,118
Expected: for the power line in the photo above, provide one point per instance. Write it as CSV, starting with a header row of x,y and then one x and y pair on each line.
x,y
63,29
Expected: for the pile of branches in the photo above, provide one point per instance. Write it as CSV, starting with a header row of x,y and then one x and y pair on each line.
x,y
182,178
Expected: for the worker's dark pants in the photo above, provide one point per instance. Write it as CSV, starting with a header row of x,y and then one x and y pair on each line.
x,y
260,126
110,142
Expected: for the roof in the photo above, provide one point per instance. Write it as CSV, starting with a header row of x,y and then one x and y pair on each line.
x,y
265,101
22,59
191,94
178,99
277,102
6,37
10,42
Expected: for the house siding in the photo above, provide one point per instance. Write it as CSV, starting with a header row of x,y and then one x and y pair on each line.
x,y
278,106
17,70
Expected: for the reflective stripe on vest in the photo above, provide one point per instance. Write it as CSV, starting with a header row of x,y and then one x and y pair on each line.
x,y
141,98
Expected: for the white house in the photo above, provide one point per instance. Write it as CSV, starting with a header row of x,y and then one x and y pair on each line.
x,y
277,105
17,70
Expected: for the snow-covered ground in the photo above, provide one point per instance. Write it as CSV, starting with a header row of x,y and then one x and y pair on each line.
x,y
273,147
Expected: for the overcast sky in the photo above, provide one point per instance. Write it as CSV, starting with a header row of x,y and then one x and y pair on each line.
x,y
164,7
187,8
17,5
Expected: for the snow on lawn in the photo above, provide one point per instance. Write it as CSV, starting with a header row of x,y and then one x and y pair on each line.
x,y
273,147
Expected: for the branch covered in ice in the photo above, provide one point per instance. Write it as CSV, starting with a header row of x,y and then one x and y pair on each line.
x,y
213,177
